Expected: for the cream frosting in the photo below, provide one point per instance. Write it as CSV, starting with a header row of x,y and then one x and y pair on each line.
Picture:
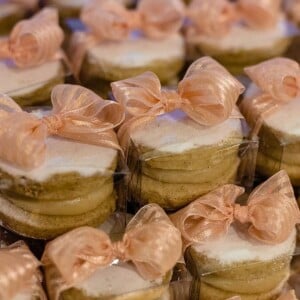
x,y
175,133
65,156
137,52
7,9
23,296
235,248
244,38
110,281
286,119
15,81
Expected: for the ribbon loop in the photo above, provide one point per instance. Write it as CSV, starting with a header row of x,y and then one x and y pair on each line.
x,y
34,41
77,114
19,272
151,243
271,213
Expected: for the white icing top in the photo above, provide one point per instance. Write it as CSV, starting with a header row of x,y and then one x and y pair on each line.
x,y
64,156
7,9
110,281
175,132
15,81
137,52
245,38
23,296
234,248
285,120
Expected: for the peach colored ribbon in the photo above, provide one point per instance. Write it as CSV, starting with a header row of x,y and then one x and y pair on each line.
x,y
151,243
290,295
110,20
207,94
77,114
279,82
270,215
19,273
216,17
35,41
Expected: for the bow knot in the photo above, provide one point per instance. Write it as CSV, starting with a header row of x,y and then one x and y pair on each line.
x,y
54,123
171,101
241,213
34,41
151,243
119,250
271,213
77,114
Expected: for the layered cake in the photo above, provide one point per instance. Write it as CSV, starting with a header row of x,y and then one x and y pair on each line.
x,y
271,106
143,258
20,275
240,250
238,33
179,151
30,64
64,180
128,42
13,11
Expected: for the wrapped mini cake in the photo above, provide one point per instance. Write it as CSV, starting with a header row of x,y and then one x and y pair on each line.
x,y
120,43
237,34
85,264
271,106
12,11
240,250
181,144
20,278
57,167
31,62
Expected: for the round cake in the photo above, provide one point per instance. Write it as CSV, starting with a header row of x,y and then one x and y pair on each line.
x,y
73,187
235,265
279,139
174,160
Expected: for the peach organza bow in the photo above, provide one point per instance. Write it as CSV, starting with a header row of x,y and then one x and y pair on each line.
x,y
19,273
35,41
151,243
279,82
271,213
207,94
290,295
77,114
110,20
216,17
